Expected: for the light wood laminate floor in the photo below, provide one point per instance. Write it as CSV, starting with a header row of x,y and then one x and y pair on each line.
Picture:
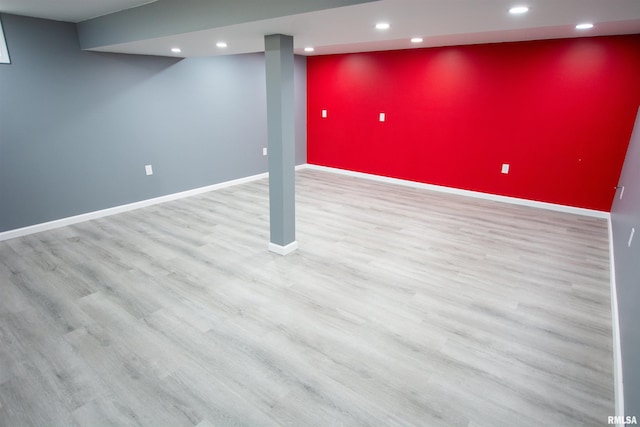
x,y
402,307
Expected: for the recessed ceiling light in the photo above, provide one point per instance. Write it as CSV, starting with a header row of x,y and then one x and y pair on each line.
x,y
585,26
517,10
417,40
176,50
221,44
383,26
309,49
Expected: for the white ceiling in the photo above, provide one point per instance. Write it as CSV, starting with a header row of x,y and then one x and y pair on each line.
x,y
351,29
67,10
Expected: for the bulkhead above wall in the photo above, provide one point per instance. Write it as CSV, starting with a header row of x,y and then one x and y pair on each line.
x,y
166,18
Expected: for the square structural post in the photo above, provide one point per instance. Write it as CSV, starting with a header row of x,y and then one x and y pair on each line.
x,y
281,126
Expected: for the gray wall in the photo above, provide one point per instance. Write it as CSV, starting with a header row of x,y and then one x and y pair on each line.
x,y
77,128
625,215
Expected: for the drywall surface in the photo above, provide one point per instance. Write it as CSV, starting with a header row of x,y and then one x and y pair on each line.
x,y
558,112
625,217
78,128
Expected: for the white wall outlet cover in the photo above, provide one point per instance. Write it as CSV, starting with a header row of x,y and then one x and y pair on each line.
x,y
264,151
148,169
505,168
382,117
324,114
633,231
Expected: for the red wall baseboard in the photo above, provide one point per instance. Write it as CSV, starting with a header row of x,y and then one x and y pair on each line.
x,y
560,112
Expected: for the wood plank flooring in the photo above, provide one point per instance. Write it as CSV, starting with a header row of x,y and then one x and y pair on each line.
x,y
402,307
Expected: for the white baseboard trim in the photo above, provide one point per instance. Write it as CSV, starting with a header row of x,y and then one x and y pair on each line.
x,y
283,250
19,232
63,222
618,387
37,228
468,193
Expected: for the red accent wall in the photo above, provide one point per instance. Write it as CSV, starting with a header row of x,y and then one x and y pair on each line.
x,y
560,112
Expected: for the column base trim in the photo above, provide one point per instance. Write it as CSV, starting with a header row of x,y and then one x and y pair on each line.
x,y
283,250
